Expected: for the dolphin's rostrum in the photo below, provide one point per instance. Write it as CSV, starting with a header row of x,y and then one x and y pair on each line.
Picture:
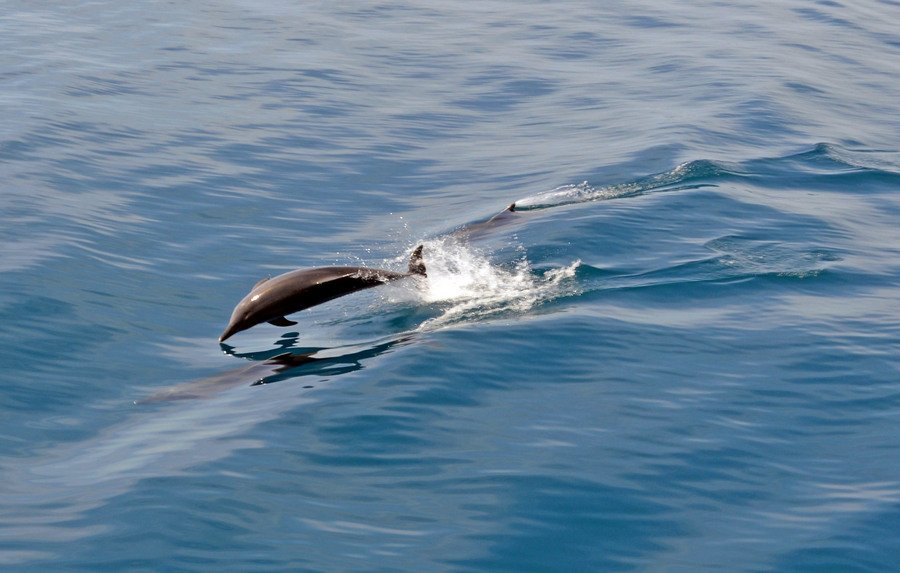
x,y
270,300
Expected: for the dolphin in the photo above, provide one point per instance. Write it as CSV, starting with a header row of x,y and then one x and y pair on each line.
x,y
271,299
476,230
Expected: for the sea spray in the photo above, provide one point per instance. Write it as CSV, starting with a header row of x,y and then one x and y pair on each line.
x,y
464,285
689,175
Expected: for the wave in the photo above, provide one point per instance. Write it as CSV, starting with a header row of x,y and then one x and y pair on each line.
x,y
690,175
829,158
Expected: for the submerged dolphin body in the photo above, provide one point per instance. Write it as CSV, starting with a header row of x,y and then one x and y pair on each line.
x,y
476,230
271,299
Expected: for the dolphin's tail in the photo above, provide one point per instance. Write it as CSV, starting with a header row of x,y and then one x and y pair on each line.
x,y
416,263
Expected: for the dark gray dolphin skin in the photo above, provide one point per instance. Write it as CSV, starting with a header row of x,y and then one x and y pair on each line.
x,y
271,299
475,230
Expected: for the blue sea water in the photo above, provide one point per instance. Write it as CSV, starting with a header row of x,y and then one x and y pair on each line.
x,y
679,354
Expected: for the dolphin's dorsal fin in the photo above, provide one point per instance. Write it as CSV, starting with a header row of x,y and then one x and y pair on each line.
x,y
416,264
261,281
282,321
511,208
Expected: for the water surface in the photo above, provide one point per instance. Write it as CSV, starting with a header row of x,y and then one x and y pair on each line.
x,y
679,354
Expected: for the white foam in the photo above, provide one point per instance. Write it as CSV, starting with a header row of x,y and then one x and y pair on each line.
x,y
584,192
465,285
581,193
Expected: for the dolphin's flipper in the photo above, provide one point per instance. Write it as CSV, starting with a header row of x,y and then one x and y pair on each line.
x,y
282,321
416,263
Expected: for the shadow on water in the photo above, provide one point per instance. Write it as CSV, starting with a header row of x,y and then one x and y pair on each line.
x,y
556,519
270,366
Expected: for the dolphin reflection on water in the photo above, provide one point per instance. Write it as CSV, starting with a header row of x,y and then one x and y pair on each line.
x,y
277,365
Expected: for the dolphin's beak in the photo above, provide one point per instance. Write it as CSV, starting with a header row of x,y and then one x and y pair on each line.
x,y
231,329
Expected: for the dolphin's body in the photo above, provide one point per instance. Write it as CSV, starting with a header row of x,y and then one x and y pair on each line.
x,y
270,300
476,230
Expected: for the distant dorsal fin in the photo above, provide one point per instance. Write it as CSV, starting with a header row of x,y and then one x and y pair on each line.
x,y
504,214
261,281
281,321
416,263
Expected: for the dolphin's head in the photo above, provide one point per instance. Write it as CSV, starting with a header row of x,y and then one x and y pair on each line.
x,y
241,319
252,310
264,303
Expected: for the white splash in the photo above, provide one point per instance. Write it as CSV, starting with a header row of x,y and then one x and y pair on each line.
x,y
464,285
678,178
581,193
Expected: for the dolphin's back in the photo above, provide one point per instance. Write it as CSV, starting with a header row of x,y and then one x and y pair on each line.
x,y
271,300
301,289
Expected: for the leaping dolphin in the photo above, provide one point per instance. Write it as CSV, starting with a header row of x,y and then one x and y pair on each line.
x,y
271,299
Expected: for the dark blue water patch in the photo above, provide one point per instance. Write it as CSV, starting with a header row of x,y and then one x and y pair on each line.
x,y
56,134
88,86
384,432
26,145
427,125
294,89
823,16
654,159
581,45
42,361
573,525
648,21
761,115
842,550
825,168
507,90
805,88
227,525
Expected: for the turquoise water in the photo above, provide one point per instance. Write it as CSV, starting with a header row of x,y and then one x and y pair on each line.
x,y
680,354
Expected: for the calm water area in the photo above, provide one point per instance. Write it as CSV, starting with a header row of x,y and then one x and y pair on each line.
x,y
680,353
